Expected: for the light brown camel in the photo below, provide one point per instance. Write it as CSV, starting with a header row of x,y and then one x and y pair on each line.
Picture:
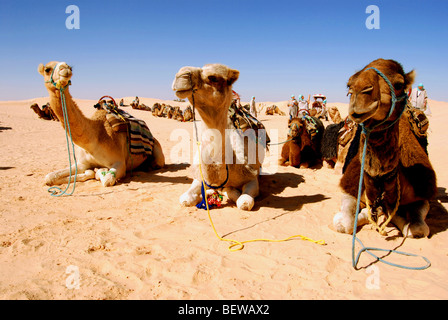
x,y
209,89
398,179
271,110
334,114
98,145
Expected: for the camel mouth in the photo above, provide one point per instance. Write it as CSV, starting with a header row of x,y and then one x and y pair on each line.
x,y
183,93
360,114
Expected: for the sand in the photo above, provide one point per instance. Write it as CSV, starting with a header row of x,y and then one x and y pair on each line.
x,y
134,240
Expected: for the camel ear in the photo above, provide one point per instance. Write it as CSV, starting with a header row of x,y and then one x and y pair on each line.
x,y
232,76
410,78
41,68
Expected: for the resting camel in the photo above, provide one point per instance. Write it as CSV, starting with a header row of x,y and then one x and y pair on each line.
x,y
271,110
45,113
98,145
303,148
188,114
209,89
398,176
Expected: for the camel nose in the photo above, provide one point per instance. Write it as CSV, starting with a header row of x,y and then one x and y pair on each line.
x,y
184,79
63,70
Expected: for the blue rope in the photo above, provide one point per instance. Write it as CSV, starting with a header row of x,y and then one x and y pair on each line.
x,y
54,190
367,132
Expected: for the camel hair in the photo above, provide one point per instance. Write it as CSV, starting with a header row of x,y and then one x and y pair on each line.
x,y
398,176
98,146
209,90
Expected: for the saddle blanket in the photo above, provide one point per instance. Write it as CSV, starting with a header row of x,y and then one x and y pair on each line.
x,y
140,139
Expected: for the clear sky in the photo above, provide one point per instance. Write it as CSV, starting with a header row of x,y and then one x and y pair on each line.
x,y
128,48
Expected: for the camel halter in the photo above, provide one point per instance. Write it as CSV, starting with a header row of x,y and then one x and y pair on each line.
x,y
367,132
68,134
235,244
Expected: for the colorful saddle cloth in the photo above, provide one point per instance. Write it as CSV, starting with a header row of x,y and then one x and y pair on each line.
x,y
140,138
243,120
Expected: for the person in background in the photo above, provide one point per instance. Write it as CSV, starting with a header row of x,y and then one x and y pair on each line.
x,y
304,106
293,107
419,98
253,109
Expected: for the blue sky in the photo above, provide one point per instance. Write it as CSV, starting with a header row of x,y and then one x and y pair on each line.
x,y
128,48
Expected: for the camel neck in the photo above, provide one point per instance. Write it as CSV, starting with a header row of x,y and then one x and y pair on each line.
x,y
80,125
382,151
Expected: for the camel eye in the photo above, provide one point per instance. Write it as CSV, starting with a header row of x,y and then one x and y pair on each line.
x,y
399,86
367,90
47,69
213,79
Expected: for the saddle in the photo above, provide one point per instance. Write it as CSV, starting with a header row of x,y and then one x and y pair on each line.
x,y
243,120
418,120
140,139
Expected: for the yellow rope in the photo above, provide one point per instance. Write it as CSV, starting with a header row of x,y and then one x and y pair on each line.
x,y
381,228
240,244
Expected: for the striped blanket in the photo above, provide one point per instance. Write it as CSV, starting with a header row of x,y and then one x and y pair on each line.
x,y
141,141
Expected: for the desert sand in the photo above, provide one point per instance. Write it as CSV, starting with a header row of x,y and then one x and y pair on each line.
x,y
135,241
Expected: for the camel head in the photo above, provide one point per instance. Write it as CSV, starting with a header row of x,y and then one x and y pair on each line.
x,y
56,74
296,128
211,85
370,95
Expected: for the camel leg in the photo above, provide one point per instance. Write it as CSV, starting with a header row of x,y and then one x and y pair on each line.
x,y
344,220
410,219
61,176
247,199
193,195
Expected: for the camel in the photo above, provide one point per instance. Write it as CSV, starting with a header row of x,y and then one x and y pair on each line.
x,y
271,110
336,143
98,145
303,145
209,89
188,114
398,179
334,114
45,113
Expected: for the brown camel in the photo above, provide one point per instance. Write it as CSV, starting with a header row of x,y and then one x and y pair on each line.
x,y
398,179
45,113
188,114
209,89
98,145
303,148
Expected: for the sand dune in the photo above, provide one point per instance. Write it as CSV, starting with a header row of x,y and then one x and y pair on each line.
x,y
134,241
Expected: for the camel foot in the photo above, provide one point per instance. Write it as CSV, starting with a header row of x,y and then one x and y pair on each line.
x,y
188,200
416,230
245,202
107,177
344,222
